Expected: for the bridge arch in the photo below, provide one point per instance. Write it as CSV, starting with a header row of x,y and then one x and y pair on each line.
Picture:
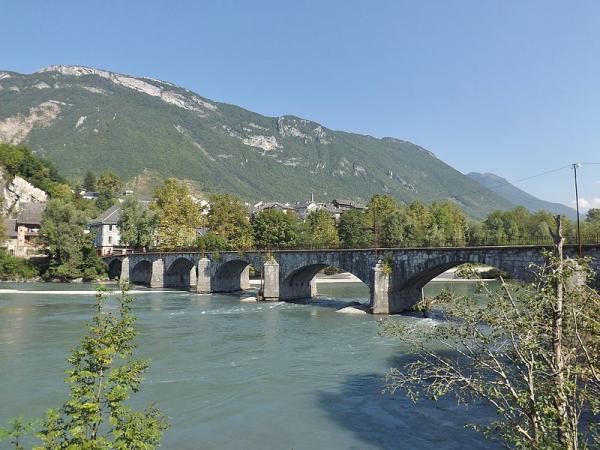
x,y
181,274
141,273
301,282
409,279
231,276
114,268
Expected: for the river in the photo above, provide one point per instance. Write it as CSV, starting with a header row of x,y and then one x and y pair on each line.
x,y
233,375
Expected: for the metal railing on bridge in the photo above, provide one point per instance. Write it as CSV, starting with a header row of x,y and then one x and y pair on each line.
x,y
487,241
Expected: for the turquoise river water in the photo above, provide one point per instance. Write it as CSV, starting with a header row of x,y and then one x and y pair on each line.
x,y
234,375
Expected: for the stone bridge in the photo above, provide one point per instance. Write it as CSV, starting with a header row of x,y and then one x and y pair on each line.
x,y
395,277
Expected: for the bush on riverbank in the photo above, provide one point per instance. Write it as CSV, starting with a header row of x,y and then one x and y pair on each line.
x,y
16,269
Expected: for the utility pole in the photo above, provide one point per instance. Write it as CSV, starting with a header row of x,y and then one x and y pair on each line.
x,y
575,166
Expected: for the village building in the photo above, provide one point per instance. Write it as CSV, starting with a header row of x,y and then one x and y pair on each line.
x,y
22,232
106,229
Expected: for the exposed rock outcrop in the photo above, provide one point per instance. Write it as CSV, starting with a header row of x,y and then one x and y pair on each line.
x,y
17,191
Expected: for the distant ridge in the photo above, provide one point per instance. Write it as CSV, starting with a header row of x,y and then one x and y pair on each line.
x,y
513,194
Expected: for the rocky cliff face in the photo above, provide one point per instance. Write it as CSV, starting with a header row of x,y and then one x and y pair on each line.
x,y
16,191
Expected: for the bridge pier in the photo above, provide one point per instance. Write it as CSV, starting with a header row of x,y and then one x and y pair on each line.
x,y
245,278
380,290
203,281
271,280
124,277
291,274
158,272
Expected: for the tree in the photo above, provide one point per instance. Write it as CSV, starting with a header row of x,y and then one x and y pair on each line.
x,y
102,377
228,218
591,224
273,228
378,208
398,229
70,250
211,242
178,215
450,221
533,355
137,224
354,230
321,229
108,186
89,181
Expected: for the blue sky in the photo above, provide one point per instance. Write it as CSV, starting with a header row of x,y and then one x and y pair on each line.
x,y
509,87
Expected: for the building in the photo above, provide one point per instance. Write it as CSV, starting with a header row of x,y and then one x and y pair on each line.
x,y
106,227
346,205
22,232
262,206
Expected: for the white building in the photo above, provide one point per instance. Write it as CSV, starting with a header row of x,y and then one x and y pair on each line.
x,y
106,227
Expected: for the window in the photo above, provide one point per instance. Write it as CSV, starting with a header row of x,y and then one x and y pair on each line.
x,y
110,239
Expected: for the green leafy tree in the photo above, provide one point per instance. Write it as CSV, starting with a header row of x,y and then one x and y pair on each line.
x,y
178,215
273,228
423,219
39,172
228,218
137,224
591,225
354,230
70,250
533,355
211,242
12,268
450,221
102,378
378,208
321,229
108,185
89,181
398,229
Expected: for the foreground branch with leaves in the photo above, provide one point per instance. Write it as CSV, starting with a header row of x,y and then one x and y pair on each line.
x,y
532,353
102,378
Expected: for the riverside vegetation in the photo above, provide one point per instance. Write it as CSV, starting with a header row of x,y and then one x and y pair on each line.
x,y
171,221
102,377
533,354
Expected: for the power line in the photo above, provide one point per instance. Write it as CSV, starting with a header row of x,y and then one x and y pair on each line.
x,y
504,182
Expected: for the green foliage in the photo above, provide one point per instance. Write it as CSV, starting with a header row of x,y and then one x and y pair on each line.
x,y
12,268
378,208
228,218
533,354
89,181
19,161
273,228
591,224
321,229
17,429
178,215
102,378
211,242
71,251
398,229
137,135
108,186
387,264
137,224
353,229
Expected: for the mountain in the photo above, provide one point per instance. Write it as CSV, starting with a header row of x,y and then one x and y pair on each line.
x,y
514,195
146,129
